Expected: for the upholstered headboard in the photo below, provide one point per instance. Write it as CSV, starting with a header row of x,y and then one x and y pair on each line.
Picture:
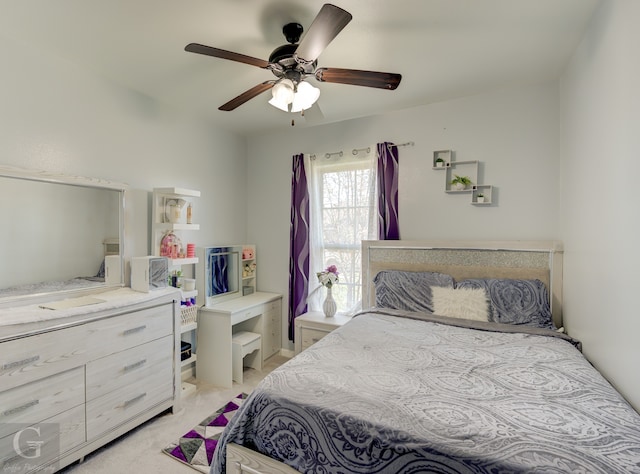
x,y
540,260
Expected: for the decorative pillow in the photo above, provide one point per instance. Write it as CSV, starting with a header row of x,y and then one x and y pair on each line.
x,y
410,291
464,303
515,301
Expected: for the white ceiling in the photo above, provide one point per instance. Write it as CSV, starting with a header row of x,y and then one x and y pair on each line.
x,y
442,48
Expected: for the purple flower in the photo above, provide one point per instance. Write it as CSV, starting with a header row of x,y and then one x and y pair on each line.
x,y
332,269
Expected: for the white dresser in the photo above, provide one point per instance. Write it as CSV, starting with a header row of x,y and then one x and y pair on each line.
x,y
78,378
258,312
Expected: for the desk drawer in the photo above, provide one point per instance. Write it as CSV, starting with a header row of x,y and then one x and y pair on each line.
x,y
116,334
31,358
37,401
53,436
114,408
311,336
124,368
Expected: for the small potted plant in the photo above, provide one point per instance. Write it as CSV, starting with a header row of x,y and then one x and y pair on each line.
x,y
460,183
439,162
480,197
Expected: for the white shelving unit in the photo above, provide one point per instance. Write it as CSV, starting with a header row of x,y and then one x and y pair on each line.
x,y
443,160
248,269
169,215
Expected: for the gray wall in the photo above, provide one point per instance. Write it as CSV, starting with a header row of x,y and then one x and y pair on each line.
x,y
600,170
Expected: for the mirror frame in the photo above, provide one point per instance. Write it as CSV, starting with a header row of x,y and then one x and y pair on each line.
x,y
69,180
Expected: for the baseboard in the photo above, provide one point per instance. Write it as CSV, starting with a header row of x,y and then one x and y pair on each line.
x,y
287,353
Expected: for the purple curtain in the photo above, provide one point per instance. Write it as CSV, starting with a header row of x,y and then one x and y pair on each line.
x,y
299,246
388,226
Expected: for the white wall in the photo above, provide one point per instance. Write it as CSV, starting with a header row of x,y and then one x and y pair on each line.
x,y
61,118
600,168
514,133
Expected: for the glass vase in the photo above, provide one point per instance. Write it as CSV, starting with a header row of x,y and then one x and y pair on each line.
x,y
329,306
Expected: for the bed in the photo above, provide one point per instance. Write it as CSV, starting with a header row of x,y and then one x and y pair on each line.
x,y
431,377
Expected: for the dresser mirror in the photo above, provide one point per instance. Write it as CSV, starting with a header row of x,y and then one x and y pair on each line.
x,y
58,231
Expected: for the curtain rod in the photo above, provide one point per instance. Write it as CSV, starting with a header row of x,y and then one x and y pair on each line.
x,y
328,155
401,144
355,151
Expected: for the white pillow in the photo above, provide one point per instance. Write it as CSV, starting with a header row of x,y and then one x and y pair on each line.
x,y
464,303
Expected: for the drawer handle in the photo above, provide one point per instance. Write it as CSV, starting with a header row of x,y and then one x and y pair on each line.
x,y
135,365
133,400
20,363
315,339
127,332
15,410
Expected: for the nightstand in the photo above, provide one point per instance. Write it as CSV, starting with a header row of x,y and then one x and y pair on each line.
x,y
312,326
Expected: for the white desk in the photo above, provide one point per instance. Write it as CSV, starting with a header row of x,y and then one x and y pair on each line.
x,y
259,312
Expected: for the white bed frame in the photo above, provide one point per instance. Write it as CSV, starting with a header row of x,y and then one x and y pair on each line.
x,y
461,259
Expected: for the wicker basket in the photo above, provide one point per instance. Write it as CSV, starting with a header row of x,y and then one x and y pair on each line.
x,y
189,314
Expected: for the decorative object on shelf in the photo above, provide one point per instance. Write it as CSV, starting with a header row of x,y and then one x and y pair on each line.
x,y
173,210
439,163
248,270
188,284
247,253
189,214
170,245
188,311
328,278
480,197
176,279
460,182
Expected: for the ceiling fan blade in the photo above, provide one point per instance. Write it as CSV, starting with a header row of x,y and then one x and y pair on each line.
x,y
223,54
247,95
379,80
325,27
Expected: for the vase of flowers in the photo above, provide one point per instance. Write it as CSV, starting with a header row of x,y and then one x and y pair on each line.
x,y
327,278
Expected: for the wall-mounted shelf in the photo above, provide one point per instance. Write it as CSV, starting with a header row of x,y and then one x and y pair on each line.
x,y
486,190
468,168
441,159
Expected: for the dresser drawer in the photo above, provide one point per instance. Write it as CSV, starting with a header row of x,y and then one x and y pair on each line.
x,y
120,370
51,438
116,407
31,358
310,336
37,401
129,330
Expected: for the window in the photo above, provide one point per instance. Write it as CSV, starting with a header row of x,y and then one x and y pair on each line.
x,y
342,194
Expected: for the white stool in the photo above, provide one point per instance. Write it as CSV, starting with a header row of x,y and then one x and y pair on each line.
x,y
249,345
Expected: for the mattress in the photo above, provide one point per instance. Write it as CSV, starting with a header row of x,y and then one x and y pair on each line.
x,y
399,392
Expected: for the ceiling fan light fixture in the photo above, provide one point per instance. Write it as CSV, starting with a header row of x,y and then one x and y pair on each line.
x,y
282,94
305,97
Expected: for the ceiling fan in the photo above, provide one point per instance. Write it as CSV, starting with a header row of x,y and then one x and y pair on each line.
x,y
292,63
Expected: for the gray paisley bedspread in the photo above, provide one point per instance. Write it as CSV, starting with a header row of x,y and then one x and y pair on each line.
x,y
388,394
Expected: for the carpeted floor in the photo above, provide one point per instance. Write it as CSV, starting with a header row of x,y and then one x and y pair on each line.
x,y
140,450
196,447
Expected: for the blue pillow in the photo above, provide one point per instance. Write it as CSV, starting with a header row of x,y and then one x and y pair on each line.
x,y
410,291
515,301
